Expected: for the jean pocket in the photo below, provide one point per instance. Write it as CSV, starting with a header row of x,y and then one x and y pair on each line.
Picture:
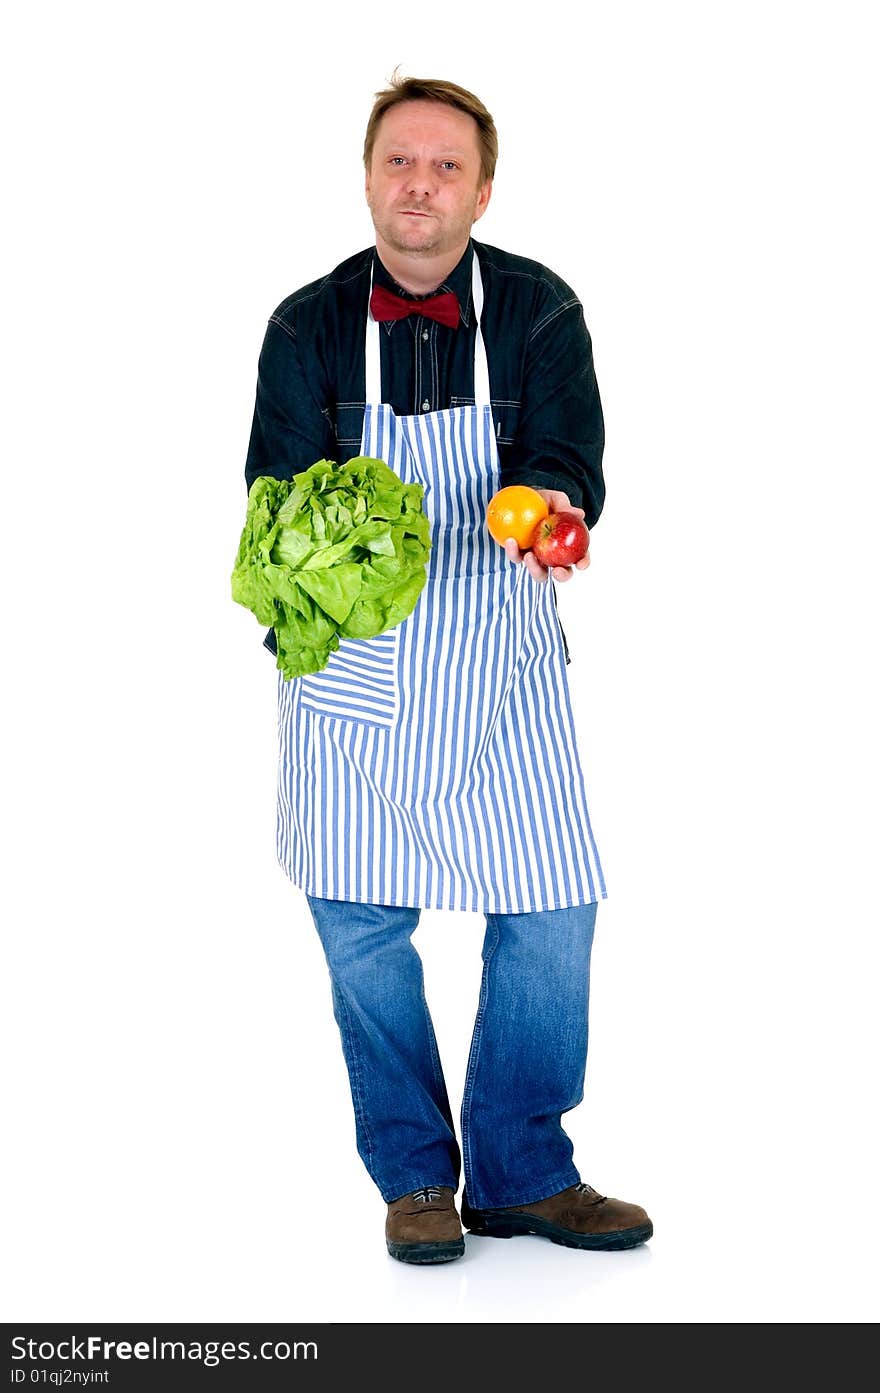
x,y
359,683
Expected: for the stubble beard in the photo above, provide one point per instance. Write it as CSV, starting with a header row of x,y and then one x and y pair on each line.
x,y
432,240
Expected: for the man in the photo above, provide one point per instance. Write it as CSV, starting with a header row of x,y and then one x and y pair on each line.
x,y
465,369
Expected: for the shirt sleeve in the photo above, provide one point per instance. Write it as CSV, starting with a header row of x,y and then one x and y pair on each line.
x,y
561,434
290,430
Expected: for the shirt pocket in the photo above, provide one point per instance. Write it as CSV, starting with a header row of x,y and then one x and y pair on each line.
x,y
349,424
505,415
360,682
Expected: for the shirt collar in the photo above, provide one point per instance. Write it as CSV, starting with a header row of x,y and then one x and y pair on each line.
x,y
458,280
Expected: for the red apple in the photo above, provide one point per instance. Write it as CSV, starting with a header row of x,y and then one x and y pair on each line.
x,y
560,539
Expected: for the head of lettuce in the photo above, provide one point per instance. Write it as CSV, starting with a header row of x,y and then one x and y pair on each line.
x,y
338,551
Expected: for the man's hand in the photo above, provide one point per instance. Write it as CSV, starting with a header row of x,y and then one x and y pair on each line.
x,y
558,503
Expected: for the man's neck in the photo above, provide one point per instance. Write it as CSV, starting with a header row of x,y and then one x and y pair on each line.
x,y
418,274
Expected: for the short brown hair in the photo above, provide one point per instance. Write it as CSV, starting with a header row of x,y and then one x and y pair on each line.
x,y
430,89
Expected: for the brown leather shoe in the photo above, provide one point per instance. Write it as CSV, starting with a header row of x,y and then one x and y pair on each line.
x,y
424,1226
577,1218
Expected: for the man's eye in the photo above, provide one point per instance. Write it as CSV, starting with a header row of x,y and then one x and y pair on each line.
x,y
450,164
397,159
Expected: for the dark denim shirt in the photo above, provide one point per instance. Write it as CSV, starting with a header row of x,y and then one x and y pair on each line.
x,y
545,401
544,395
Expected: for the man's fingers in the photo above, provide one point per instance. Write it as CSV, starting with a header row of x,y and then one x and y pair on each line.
x,y
559,502
536,570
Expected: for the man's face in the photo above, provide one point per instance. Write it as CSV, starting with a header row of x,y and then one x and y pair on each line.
x,y
424,184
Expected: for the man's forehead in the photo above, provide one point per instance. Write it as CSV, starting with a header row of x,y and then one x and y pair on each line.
x,y
434,119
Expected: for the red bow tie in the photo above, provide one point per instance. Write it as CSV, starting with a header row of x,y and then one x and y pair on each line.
x,y
443,308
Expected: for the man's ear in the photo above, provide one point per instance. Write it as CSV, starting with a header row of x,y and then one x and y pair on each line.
x,y
483,197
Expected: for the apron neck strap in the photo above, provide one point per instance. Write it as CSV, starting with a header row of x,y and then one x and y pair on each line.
x,y
372,352
481,362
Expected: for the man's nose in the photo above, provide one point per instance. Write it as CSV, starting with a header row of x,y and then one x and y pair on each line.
x,y
421,182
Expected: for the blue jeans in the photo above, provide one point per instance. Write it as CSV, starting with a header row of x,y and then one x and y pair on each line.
x,y
527,1057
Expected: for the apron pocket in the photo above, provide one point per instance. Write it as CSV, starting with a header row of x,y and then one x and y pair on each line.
x,y
359,682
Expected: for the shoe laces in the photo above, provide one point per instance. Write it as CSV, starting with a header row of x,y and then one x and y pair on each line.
x,y
426,1196
584,1189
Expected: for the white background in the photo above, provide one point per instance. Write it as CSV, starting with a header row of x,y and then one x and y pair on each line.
x,y
180,1143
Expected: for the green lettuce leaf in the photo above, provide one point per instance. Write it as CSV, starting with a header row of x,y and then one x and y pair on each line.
x,y
337,550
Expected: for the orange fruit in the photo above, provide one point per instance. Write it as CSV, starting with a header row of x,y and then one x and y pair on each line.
x,y
515,512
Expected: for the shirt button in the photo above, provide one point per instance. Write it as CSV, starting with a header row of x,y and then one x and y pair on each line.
x,y
426,405
424,333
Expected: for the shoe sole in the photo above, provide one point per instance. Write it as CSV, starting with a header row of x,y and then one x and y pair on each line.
x,y
423,1253
490,1226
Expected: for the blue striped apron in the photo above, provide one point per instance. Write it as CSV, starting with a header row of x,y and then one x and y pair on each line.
x,y
437,765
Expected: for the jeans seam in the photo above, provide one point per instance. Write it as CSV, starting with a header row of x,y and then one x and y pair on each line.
x,y
439,1079
473,1060
357,1087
